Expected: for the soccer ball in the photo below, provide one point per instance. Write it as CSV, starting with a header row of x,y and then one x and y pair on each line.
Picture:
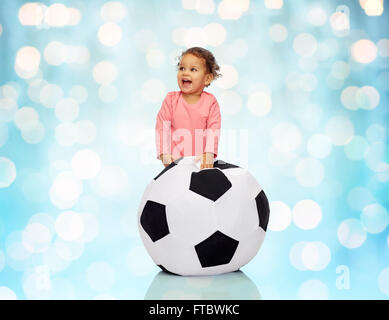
x,y
203,222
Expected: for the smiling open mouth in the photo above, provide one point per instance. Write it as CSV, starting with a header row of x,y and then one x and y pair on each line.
x,y
186,82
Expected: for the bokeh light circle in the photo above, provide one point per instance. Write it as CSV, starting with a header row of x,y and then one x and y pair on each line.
x,y
286,137
31,14
340,130
111,181
383,48
375,156
7,172
7,294
56,53
367,98
69,225
315,256
307,214
57,15
67,110
195,37
34,135
356,148
317,16
215,34
351,233
65,190
319,146
278,32
232,10
309,172
86,164
110,34
229,79
113,11
313,290
374,218
259,103
69,250
26,118
383,281
281,216
155,58
36,237
78,93
295,255
104,72
28,58
153,90
348,97
8,108
66,133
231,102
305,44
86,132
364,51
91,227
340,70
15,249
205,6
50,94
108,93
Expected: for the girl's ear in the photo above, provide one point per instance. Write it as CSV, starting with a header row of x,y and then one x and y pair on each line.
x,y
208,79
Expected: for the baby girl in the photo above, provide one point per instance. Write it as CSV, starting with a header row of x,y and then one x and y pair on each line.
x,y
188,123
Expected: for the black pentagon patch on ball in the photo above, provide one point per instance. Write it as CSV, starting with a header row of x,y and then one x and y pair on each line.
x,y
223,165
174,163
262,209
216,250
153,220
166,270
209,183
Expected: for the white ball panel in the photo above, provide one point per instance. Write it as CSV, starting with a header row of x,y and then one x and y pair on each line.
x,y
178,256
243,182
236,216
176,179
190,217
248,248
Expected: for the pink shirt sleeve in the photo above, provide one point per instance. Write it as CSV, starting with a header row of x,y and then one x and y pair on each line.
x,y
213,129
163,127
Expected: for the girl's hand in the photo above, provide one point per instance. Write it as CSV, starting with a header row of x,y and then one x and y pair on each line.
x,y
167,159
207,160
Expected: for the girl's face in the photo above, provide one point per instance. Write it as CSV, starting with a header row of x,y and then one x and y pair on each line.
x,y
192,74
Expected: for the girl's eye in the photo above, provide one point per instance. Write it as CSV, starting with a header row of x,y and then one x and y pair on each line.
x,y
182,68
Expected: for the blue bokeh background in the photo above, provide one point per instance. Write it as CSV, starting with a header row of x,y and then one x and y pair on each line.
x,y
304,104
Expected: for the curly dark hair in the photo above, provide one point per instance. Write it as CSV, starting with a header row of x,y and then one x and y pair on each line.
x,y
210,61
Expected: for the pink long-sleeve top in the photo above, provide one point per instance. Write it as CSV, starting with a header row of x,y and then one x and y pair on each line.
x,y
184,129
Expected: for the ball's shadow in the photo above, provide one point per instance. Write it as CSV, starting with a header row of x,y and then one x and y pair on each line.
x,y
229,286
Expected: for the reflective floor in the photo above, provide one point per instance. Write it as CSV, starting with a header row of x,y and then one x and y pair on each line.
x,y
231,286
